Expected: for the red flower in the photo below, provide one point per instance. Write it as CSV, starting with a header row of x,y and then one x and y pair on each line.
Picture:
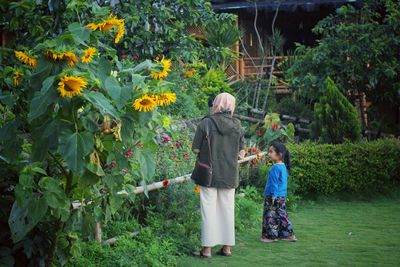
x,y
165,138
260,132
276,127
124,171
129,153
165,182
123,56
186,155
177,144
112,165
174,156
94,89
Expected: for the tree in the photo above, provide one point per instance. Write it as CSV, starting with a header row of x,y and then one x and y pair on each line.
x,y
335,118
359,50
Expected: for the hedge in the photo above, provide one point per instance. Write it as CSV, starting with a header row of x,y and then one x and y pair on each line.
x,y
322,169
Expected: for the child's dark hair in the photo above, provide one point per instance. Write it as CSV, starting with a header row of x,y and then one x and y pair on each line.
x,y
284,153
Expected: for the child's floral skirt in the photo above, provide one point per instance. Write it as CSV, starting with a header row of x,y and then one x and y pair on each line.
x,y
276,223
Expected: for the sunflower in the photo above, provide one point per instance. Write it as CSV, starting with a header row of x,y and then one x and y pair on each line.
x,y
109,24
68,56
17,75
71,58
166,64
165,99
120,32
144,103
71,85
88,55
26,59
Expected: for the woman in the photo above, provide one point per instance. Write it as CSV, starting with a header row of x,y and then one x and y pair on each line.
x,y
217,201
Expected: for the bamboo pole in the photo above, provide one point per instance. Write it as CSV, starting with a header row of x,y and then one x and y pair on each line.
x,y
162,184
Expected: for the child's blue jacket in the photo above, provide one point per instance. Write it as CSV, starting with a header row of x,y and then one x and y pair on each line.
x,y
276,185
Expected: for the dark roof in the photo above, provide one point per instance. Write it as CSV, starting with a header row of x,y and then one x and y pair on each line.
x,y
289,5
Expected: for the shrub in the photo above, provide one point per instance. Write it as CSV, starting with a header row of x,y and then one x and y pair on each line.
x,y
294,106
335,117
322,169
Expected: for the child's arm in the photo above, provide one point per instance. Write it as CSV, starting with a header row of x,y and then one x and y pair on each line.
x,y
274,183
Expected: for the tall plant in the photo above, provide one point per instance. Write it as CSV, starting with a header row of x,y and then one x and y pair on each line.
x,y
359,49
81,126
335,118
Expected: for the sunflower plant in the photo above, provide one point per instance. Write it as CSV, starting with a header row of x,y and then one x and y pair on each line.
x,y
80,125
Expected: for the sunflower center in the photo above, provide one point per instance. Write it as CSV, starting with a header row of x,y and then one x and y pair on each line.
x,y
145,102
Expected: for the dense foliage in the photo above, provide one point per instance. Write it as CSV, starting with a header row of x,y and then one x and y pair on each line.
x,y
335,118
358,49
323,169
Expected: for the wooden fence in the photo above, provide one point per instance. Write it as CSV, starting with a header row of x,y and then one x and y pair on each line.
x,y
150,187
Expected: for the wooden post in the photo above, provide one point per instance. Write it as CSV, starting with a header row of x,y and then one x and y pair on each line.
x,y
241,67
237,62
98,232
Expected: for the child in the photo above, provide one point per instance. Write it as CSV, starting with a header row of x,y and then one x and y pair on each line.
x,y
276,224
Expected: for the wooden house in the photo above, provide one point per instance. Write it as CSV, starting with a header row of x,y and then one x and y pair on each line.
x,y
295,20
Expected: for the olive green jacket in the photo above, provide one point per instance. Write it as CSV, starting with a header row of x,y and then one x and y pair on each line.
x,y
227,139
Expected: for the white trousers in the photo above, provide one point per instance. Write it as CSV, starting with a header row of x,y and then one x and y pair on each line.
x,y
217,216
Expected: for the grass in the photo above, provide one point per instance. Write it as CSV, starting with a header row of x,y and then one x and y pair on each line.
x,y
329,232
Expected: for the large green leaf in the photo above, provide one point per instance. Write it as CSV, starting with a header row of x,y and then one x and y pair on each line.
x,y
119,94
115,202
55,197
23,219
138,81
100,102
42,99
147,164
79,32
128,127
143,65
42,71
104,69
74,147
96,169
9,141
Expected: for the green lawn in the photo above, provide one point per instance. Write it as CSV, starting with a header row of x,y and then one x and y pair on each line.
x,y
330,233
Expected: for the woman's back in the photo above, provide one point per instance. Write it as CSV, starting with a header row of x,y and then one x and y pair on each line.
x,y
226,139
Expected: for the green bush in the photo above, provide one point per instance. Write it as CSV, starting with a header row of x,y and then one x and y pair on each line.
x,y
248,206
147,249
322,169
294,106
335,118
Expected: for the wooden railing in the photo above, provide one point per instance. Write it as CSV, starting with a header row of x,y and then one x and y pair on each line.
x,y
255,67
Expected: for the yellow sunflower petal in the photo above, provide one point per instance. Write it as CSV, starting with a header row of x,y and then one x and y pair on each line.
x,y
120,32
71,58
165,99
26,59
71,85
88,55
166,64
17,75
144,103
